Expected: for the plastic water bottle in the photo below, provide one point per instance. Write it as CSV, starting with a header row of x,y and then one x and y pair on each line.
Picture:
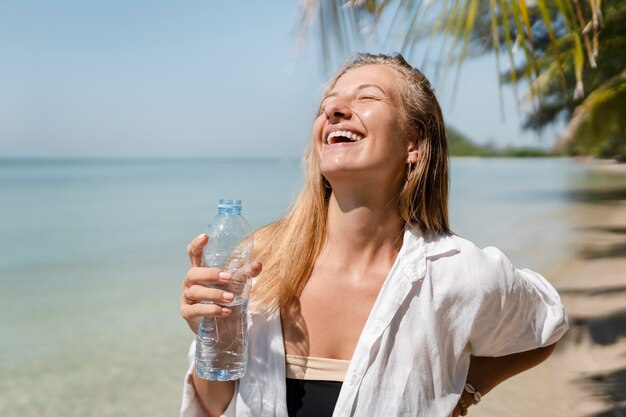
x,y
221,343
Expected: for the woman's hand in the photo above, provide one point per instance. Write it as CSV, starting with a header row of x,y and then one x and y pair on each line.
x,y
458,410
486,372
194,289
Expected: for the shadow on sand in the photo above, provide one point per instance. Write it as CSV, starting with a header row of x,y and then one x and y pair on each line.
x,y
597,195
607,329
616,250
604,331
612,388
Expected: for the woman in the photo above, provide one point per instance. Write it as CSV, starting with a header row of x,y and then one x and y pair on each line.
x,y
367,304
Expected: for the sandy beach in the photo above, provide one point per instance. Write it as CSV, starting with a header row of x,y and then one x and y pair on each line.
x,y
586,376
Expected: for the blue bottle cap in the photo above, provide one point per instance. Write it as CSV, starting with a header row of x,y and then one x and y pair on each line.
x,y
228,203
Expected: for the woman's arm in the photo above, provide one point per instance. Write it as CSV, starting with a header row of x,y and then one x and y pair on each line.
x,y
485,373
213,395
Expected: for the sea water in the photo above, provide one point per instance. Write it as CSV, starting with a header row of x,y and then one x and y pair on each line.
x,y
92,255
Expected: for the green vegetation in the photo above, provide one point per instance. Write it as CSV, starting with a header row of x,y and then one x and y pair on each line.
x,y
461,145
579,79
573,54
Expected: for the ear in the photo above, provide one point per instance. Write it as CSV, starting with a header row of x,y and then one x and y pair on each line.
x,y
413,153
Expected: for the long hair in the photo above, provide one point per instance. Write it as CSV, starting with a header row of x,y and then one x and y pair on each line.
x,y
289,247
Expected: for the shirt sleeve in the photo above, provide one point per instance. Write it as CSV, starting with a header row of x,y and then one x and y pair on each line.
x,y
519,309
190,406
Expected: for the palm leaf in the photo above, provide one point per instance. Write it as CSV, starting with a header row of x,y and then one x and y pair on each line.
x,y
579,60
531,70
496,42
469,24
597,124
341,25
504,12
545,15
583,24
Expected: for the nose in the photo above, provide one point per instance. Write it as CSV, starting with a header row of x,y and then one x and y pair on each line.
x,y
336,110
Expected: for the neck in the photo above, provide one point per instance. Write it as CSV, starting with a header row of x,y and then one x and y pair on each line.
x,y
363,228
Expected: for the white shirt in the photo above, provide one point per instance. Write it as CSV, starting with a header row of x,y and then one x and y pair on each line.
x,y
443,300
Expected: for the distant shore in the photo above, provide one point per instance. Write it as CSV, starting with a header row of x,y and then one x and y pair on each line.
x,y
586,376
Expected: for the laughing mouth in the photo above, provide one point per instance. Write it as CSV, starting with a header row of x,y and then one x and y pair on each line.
x,y
342,136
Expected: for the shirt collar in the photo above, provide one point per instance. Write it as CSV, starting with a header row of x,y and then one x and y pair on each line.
x,y
416,248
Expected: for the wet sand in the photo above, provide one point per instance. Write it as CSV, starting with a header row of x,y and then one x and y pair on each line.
x,y
586,376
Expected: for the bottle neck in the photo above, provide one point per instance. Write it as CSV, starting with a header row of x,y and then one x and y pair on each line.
x,y
229,210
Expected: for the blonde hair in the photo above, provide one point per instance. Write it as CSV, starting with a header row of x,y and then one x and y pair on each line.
x,y
289,247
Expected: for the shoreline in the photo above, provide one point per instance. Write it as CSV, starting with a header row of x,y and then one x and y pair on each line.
x,y
586,375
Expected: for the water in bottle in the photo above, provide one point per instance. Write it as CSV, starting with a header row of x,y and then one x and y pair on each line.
x,y
221,344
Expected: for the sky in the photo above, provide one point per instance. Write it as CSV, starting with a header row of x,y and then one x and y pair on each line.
x,y
199,78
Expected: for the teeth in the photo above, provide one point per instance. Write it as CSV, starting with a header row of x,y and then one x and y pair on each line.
x,y
350,135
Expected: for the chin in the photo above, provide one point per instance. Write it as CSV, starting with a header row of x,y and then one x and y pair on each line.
x,y
341,172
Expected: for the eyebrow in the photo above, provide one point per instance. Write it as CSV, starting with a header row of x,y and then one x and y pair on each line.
x,y
360,87
363,86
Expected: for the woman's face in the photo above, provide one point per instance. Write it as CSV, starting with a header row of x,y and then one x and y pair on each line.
x,y
360,131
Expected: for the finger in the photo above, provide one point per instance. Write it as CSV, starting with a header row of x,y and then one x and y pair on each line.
x,y
198,293
194,249
256,268
202,276
191,312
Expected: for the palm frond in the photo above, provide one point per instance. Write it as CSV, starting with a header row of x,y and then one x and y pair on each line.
x,y
561,50
597,125
547,20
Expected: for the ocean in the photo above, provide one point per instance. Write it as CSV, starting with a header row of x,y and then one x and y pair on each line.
x,y
93,254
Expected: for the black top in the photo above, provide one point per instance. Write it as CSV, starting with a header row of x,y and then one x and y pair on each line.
x,y
310,398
